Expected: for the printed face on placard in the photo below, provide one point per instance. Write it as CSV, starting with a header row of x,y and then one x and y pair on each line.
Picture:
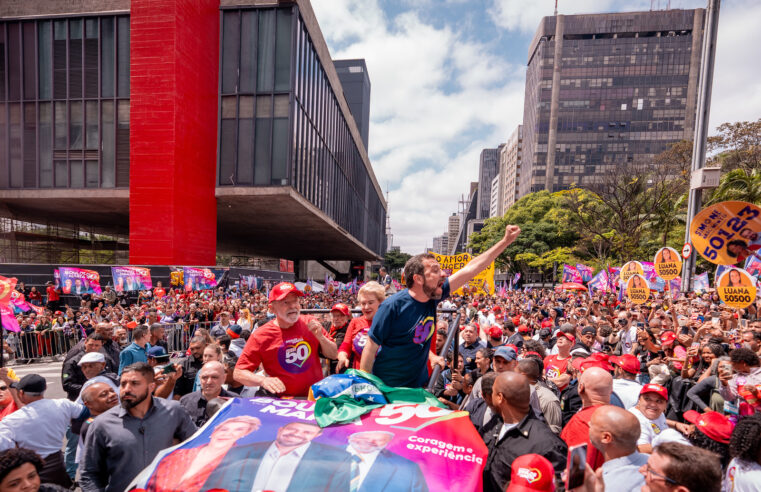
x,y
629,269
637,289
668,264
727,233
736,288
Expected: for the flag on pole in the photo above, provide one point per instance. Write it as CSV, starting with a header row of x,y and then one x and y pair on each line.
x,y
570,274
584,271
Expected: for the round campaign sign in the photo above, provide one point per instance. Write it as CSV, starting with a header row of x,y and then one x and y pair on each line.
x,y
668,265
736,288
727,233
637,289
629,269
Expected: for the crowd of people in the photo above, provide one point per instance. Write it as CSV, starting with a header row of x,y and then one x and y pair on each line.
x,y
663,396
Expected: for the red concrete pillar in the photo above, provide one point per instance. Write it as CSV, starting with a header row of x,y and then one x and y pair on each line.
x,y
174,66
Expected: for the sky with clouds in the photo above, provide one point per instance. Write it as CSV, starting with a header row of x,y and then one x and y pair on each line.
x,y
448,80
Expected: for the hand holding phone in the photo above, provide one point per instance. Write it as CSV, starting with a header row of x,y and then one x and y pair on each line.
x,y
577,462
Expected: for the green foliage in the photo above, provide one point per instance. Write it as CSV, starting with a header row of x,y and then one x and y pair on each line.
x,y
395,260
739,185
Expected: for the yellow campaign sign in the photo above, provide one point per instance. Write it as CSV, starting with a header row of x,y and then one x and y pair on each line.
x,y
483,283
668,264
736,288
637,289
727,233
629,269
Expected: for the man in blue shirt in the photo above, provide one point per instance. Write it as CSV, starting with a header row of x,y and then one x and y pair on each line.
x,y
614,432
137,350
405,323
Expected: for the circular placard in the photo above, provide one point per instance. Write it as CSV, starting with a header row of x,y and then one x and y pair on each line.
x,y
668,265
727,233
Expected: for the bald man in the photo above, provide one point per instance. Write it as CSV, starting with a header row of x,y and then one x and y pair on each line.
x,y
521,432
614,432
595,387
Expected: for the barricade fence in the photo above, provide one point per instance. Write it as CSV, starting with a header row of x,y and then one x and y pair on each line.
x,y
53,344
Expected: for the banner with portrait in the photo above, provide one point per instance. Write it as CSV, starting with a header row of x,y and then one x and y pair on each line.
x,y
637,289
629,269
414,448
79,281
129,279
737,288
203,278
571,274
727,233
668,263
483,283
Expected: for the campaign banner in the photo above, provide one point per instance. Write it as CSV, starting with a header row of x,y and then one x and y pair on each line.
x,y
585,272
57,279
629,269
700,282
668,264
483,283
614,275
753,266
18,302
203,278
10,322
7,288
648,270
128,279
675,286
637,289
571,274
720,269
79,281
736,288
600,282
411,447
727,233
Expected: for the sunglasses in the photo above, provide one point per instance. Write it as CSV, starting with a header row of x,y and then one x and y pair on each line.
x,y
3,388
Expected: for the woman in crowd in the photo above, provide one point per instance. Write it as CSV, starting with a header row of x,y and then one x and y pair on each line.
x,y
20,471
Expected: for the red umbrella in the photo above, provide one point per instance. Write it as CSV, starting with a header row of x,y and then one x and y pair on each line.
x,y
572,286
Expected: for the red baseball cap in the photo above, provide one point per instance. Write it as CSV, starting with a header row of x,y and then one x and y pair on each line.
x,y
655,388
516,320
546,323
497,309
627,362
281,290
341,308
523,329
495,332
712,424
568,336
667,337
531,472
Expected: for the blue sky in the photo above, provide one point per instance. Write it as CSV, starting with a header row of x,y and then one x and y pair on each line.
x,y
448,80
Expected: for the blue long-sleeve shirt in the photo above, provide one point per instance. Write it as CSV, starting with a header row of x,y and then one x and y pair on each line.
x,y
132,353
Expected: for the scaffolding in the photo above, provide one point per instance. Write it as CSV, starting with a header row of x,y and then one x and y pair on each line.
x,y
28,241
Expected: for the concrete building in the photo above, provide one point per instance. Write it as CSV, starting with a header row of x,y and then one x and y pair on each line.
x,y
197,128
441,244
356,85
510,156
453,228
495,202
606,89
487,169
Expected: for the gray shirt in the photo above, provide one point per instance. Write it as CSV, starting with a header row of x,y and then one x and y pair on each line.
x,y
623,473
119,446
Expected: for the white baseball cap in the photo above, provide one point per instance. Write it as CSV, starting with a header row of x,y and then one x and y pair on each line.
x,y
91,357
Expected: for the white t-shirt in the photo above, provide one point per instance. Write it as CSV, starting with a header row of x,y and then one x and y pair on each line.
x,y
627,391
742,476
628,337
649,428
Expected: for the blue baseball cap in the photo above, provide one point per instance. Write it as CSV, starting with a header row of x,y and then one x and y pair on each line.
x,y
156,352
506,353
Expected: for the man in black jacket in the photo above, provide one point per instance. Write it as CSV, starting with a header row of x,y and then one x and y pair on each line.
x,y
521,433
72,376
190,366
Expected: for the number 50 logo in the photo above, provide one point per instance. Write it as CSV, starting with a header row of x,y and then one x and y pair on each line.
x,y
293,357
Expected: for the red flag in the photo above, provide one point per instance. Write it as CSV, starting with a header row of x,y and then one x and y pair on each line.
x,y
6,287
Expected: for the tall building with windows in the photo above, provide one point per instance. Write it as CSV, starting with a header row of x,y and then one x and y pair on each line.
x,y
356,85
196,127
510,155
453,229
606,89
495,202
487,169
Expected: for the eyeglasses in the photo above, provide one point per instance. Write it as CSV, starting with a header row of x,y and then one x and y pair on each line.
x,y
649,471
3,388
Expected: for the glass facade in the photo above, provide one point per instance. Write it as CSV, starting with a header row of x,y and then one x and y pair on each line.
x,y
281,124
64,103
623,97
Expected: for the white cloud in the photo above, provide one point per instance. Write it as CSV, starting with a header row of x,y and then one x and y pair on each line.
x,y
439,96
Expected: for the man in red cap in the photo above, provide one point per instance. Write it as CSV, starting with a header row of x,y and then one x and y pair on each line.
x,y
288,347
625,375
340,316
556,366
650,408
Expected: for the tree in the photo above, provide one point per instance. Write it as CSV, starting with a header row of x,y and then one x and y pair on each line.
x,y
738,145
395,260
740,185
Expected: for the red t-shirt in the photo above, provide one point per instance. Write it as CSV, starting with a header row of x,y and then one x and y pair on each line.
x,y
9,409
291,355
576,432
159,292
554,366
355,339
52,294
